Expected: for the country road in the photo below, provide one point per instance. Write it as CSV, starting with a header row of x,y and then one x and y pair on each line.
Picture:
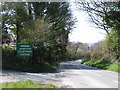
x,y
82,76
71,73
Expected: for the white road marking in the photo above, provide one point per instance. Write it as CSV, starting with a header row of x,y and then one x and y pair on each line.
x,y
93,73
87,71
115,81
110,73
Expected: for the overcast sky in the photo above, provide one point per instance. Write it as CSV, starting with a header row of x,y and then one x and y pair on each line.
x,y
84,31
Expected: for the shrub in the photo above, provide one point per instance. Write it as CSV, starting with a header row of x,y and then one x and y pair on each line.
x,y
8,47
30,64
97,54
84,60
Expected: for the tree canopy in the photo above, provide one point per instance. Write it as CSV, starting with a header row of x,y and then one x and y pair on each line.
x,y
106,16
45,24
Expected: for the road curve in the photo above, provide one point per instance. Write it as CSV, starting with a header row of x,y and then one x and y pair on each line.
x,y
82,76
71,73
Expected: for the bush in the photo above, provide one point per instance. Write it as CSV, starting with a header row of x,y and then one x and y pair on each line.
x,y
8,47
28,64
97,54
8,54
84,60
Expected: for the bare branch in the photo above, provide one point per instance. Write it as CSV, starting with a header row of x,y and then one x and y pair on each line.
x,y
97,10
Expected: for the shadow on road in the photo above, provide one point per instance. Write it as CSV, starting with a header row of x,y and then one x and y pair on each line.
x,y
11,72
76,65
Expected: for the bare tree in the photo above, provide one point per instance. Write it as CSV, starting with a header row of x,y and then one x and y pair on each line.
x,y
97,11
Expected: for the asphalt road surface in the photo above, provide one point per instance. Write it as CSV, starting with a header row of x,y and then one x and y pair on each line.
x,y
82,76
71,73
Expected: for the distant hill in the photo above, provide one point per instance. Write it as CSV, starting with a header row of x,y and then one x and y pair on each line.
x,y
90,44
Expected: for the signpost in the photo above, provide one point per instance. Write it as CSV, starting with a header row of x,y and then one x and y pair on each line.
x,y
24,50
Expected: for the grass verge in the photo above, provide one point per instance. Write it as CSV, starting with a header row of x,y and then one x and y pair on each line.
x,y
102,64
26,84
114,67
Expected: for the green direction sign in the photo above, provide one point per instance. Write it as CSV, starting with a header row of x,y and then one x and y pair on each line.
x,y
24,50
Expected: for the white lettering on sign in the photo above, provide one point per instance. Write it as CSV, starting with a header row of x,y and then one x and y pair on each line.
x,y
24,54
24,45
25,49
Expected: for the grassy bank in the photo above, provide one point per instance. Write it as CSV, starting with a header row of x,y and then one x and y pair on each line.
x,y
114,67
41,67
102,64
37,63
26,84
